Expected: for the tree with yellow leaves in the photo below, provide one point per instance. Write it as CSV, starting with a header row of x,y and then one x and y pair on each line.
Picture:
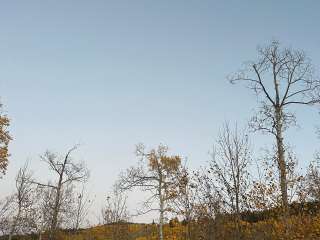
x,y
4,141
155,174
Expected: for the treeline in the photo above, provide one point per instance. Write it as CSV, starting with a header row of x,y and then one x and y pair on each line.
x,y
234,196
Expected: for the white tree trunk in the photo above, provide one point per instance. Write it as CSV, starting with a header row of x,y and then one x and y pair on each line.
x,y
161,209
161,219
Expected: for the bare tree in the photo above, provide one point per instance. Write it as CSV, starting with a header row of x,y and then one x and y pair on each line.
x,y
282,78
6,210
60,190
229,169
40,210
115,215
208,206
185,201
155,174
82,205
115,210
22,201
43,206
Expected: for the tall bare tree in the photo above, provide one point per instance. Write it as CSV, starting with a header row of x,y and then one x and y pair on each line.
x,y
155,174
67,173
282,78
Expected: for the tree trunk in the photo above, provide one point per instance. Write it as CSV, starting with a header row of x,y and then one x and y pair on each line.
x,y
54,221
188,229
12,230
280,146
56,208
161,219
281,161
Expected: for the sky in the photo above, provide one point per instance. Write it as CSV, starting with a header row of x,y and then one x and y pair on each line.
x,y
111,74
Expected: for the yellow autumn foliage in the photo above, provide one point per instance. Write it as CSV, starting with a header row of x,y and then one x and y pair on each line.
x,y
305,227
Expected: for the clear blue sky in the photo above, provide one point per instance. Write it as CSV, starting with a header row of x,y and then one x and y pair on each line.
x,y
110,74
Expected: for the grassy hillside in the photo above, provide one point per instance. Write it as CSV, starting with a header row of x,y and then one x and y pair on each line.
x,y
303,223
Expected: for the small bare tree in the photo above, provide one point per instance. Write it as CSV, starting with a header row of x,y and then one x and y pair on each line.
x,y
185,201
42,209
208,206
115,210
282,78
155,174
82,206
22,201
229,168
60,190
39,220
115,215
